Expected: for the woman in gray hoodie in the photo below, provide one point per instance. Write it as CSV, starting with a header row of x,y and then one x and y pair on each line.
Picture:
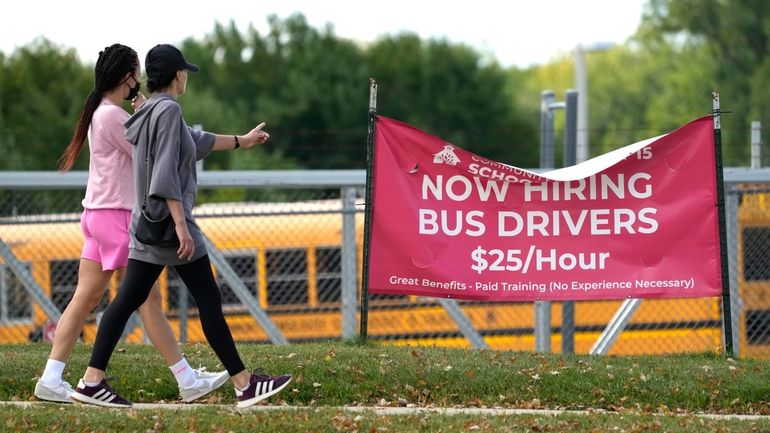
x,y
174,148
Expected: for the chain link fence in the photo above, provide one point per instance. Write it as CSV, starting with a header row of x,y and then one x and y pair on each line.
x,y
752,268
290,266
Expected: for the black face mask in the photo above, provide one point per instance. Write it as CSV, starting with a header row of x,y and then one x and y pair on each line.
x,y
133,91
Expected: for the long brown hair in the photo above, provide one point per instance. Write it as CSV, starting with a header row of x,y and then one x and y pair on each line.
x,y
113,64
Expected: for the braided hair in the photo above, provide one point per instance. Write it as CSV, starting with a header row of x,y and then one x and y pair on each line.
x,y
111,66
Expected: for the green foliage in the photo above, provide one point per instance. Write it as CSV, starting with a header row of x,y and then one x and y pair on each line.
x,y
307,84
447,91
663,76
721,43
642,94
311,87
43,87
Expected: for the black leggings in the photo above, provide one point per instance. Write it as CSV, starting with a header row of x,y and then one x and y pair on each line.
x,y
134,290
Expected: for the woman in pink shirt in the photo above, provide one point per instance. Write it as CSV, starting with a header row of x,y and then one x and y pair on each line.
x,y
105,222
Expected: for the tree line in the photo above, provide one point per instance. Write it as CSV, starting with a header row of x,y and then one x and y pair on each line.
x,y
312,89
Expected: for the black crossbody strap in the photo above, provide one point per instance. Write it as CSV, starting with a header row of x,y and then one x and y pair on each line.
x,y
147,159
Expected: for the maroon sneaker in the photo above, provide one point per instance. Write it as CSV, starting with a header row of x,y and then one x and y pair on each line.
x,y
100,395
261,387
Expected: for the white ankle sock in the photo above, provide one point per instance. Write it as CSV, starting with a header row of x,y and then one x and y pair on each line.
x,y
248,384
183,373
52,373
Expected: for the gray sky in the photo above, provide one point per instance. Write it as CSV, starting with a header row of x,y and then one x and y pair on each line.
x,y
515,32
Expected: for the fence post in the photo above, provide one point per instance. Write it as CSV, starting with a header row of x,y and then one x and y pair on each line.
x,y
348,254
543,308
364,320
756,144
732,198
725,271
571,100
547,99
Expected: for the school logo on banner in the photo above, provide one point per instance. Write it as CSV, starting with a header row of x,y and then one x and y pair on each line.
x,y
446,156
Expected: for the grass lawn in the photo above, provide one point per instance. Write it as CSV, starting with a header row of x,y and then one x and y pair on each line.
x,y
659,393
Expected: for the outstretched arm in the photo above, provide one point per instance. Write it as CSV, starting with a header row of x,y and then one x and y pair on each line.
x,y
252,138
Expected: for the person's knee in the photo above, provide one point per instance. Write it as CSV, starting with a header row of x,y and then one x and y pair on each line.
x,y
153,300
86,300
154,296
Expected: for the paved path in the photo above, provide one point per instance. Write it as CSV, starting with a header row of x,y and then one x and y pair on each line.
x,y
384,410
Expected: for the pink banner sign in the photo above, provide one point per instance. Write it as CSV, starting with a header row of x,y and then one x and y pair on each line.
x,y
638,222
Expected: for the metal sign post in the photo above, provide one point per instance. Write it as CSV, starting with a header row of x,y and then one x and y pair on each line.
x,y
368,212
726,306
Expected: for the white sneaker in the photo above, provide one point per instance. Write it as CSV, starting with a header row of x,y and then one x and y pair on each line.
x,y
60,393
205,382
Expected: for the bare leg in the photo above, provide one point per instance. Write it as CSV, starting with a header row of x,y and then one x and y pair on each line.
x,y
158,329
90,289
93,375
241,379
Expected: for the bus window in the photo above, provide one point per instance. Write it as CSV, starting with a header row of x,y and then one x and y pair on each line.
x,y
329,273
758,327
755,291
286,271
64,281
15,303
245,266
756,254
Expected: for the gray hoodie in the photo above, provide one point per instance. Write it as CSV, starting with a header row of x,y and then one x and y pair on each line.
x,y
175,147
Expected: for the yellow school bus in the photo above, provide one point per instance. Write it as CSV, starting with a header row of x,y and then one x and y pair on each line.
x,y
289,256
754,270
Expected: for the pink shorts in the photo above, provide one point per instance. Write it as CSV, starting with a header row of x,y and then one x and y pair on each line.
x,y
106,232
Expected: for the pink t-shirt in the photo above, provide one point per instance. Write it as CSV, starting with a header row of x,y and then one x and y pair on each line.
x,y
110,173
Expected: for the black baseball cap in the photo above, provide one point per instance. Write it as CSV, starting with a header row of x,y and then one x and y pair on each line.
x,y
164,59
